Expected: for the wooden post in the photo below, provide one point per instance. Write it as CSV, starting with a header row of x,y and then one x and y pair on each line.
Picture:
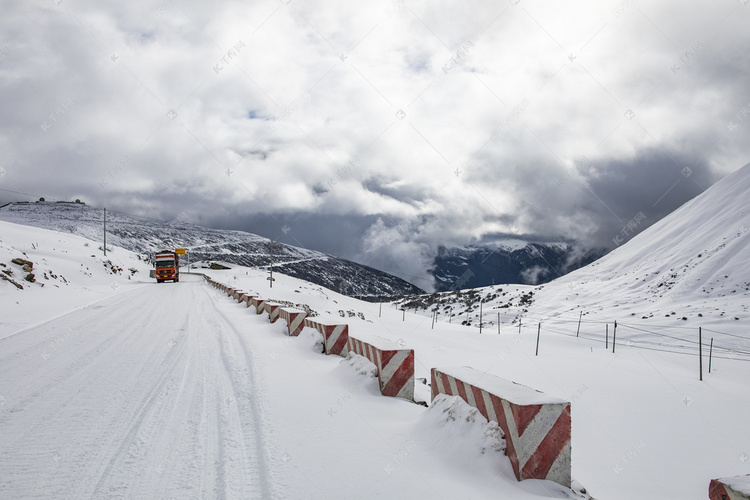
x,y
579,324
700,351
480,315
614,338
538,333
105,231
450,318
271,281
710,352
498,323
606,337
433,320
403,317
519,325
380,310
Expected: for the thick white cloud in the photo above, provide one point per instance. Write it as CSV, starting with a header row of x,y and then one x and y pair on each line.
x,y
459,121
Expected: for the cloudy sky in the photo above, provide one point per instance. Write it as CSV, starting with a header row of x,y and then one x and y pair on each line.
x,y
377,131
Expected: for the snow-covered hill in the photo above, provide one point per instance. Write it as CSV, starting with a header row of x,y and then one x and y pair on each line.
x,y
143,235
694,261
65,272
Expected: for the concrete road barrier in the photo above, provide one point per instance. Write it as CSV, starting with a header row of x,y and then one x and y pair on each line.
x,y
273,309
295,320
246,298
730,488
259,304
395,364
335,336
537,427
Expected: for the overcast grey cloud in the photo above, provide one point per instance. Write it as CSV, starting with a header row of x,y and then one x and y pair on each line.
x,y
380,131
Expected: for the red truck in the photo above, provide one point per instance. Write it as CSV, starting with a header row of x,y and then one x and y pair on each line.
x,y
167,266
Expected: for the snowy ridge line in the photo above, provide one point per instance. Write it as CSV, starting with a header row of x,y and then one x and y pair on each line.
x,y
537,427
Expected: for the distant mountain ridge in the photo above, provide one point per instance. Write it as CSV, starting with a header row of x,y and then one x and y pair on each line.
x,y
522,263
143,235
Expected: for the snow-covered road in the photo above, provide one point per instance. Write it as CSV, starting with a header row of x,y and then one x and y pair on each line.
x,y
175,391
148,394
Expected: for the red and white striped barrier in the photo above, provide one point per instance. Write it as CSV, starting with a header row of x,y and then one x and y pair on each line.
x,y
536,426
335,336
259,304
246,298
395,365
730,488
273,309
295,320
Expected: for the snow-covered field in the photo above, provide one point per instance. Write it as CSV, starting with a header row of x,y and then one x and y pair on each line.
x,y
112,386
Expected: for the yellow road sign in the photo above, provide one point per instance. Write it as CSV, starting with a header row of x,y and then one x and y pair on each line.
x,y
179,251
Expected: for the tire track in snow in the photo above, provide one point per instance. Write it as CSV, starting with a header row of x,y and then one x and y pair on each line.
x,y
171,434
248,418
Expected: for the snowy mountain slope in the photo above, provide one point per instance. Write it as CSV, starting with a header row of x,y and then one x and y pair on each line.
x,y
144,235
691,268
61,263
696,260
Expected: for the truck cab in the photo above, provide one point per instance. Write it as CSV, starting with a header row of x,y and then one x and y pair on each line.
x,y
167,265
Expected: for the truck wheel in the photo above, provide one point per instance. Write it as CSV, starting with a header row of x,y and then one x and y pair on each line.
x,y
159,281
176,280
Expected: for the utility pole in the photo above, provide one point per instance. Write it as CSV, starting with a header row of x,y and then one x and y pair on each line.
x,y
105,231
700,351
480,315
271,279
